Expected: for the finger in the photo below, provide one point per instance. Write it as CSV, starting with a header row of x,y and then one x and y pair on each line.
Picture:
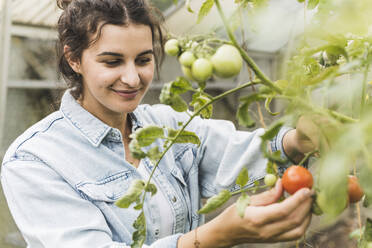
x,y
295,233
292,221
278,211
268,197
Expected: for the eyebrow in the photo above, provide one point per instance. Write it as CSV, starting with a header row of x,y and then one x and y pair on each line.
x,y
150,51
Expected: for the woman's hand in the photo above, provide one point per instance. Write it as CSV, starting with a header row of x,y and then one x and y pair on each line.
x,y
311,134
265,220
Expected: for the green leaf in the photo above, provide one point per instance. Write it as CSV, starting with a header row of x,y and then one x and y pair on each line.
x,y
170,95
205,9
271,168
243,177
266,137
147,135
200,99
365,176
332,184
312,4
216,201
368,230
180,86
188,6
135,149
242,203
243,115
184,136
139,236
178,104
154,154
151,188
133,193
272,131
267,106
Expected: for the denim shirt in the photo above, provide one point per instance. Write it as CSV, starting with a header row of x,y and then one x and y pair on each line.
x,y
62,176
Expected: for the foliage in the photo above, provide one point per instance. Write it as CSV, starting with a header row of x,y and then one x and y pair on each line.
x,y
326,79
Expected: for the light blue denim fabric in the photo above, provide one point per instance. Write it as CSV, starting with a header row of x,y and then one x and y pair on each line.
x,y
62,176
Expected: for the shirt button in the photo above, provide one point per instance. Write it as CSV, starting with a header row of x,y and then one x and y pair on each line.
x,y
157,232
174,199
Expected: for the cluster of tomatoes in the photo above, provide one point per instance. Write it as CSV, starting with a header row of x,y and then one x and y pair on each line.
x,y
296,177
226,62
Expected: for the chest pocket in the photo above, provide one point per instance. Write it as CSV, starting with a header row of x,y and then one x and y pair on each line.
x,y
184,159
108,189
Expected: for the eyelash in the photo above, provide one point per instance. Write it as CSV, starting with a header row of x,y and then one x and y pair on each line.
x,y
140,61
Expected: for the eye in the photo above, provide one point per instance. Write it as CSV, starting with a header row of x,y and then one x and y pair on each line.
x,y
112,62
143,60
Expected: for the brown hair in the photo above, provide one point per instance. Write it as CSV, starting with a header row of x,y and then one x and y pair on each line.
x,y
83,18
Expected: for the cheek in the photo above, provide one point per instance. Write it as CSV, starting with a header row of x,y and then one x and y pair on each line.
x,y
148,74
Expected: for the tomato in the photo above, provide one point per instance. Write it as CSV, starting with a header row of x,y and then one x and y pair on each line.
x,y
202,69
270,180
171,47
227,61
187,59
354,190
295,178
187,72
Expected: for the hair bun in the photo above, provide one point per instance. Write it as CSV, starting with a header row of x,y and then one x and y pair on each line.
x,y
62,4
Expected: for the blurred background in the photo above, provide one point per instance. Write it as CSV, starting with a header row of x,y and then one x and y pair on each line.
x,y
30,87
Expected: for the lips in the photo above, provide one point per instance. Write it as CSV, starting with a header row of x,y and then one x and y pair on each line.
x,y
127,93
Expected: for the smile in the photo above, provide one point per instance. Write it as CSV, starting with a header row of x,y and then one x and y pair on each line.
x,y
128,94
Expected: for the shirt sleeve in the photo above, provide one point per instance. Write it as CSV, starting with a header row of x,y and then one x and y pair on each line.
x,y
223,153
50,213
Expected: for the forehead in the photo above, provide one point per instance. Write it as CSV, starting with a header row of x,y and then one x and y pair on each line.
x,y
123,38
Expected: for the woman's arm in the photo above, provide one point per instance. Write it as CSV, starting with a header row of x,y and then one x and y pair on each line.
x,y
264,221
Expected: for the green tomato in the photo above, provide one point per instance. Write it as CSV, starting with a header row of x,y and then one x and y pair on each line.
x,y
202,69
171,47
227,61
187,72
270,180
187,58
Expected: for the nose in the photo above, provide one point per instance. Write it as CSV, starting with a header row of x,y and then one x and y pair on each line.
x,y
130,75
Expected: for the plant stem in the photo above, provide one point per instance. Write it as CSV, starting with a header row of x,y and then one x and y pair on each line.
x,y
315,109
265,80
214,99
364,86
249,189
307,156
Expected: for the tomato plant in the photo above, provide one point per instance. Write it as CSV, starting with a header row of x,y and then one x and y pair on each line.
x,y
325,75
295,178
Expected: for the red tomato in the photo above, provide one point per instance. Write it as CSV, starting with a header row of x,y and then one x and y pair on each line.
x,y
295,178
354,190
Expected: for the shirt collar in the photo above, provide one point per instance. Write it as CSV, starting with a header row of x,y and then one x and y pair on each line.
x,y
90,126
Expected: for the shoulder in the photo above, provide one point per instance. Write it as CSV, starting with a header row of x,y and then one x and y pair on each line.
x,y
45,129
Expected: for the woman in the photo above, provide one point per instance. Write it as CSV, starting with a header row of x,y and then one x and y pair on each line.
x,y
62,176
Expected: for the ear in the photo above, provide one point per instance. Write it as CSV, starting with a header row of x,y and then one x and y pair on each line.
x,y
75,64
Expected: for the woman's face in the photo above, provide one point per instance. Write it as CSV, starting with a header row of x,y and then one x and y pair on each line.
x,y
117,69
